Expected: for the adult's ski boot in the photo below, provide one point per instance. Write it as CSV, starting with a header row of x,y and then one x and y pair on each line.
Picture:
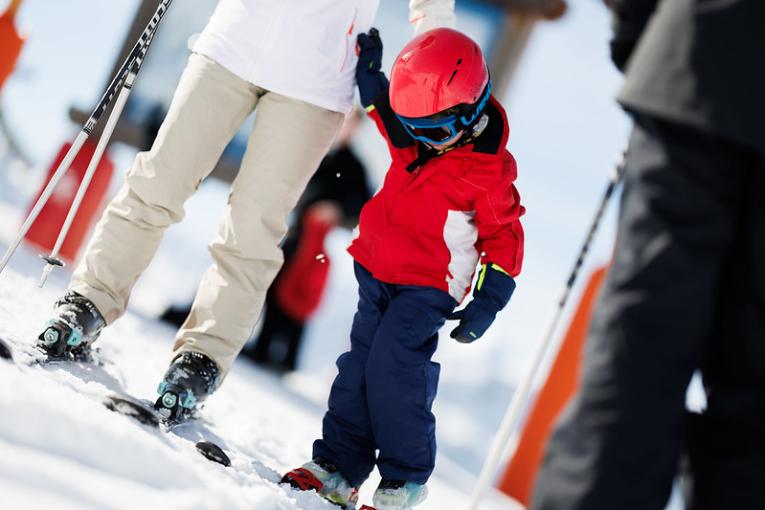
x,y
191,377
398,495
71,332
323,477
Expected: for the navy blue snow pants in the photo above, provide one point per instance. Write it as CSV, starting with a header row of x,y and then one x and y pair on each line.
x,y
384,391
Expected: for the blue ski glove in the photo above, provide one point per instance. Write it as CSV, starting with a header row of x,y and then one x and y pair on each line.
x,y
491,294
371,81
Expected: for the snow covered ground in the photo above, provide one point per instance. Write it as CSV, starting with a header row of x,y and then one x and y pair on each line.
x,y
60,448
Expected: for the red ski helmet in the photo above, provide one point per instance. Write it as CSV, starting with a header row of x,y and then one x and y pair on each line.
x,y
441,78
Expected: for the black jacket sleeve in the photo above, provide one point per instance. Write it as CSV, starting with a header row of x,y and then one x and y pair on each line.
x,y
630,18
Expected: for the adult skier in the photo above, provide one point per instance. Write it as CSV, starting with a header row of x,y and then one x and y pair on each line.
x,y
685,290
294,63
448,202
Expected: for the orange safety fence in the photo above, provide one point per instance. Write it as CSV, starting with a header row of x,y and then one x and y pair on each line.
x,y
300,287
562,382
45,229
10,42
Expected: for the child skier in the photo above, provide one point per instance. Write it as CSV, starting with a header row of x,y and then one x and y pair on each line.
x,y
448,202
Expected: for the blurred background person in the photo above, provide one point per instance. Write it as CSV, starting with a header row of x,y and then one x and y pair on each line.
x,y
334,197
685,290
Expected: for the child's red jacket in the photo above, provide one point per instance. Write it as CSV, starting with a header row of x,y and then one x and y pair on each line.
x,y
436,217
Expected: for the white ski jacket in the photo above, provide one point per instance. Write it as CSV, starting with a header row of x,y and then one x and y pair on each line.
x,y
304,49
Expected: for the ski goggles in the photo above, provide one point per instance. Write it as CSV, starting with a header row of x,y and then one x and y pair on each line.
x,y
442,128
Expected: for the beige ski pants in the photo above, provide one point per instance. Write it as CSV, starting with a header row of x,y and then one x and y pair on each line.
x,y
288,141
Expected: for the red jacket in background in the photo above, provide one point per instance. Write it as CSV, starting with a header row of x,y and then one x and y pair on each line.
x,y
436,217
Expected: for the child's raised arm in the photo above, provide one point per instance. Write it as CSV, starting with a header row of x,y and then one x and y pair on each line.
x,y
373,90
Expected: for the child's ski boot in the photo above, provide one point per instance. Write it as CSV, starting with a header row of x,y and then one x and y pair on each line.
x,y
323,477
191,377
398,495
76,325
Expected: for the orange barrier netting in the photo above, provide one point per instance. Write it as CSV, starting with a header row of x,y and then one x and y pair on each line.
x,y
562,382
10,44
45,229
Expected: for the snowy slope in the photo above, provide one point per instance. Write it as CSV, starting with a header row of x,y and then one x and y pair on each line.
x,y
60,448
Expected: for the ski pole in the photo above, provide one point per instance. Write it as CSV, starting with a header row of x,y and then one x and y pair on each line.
x,y
52,260
87,129
512,416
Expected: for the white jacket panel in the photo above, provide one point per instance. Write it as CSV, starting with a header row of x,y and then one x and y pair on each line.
x,y
303,49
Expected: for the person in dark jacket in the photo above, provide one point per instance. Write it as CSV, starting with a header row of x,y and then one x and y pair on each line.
x,y
686,290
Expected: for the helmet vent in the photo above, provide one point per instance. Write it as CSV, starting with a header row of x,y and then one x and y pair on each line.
x,y
459,61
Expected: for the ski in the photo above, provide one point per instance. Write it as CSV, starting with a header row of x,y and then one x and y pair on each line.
x,y
144,412
31,355
140,410
213,452
28,355
5,350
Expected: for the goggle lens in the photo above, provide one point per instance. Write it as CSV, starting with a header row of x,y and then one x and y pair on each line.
x,y
435,134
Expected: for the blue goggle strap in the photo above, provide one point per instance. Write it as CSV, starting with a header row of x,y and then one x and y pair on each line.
x,y
466,121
